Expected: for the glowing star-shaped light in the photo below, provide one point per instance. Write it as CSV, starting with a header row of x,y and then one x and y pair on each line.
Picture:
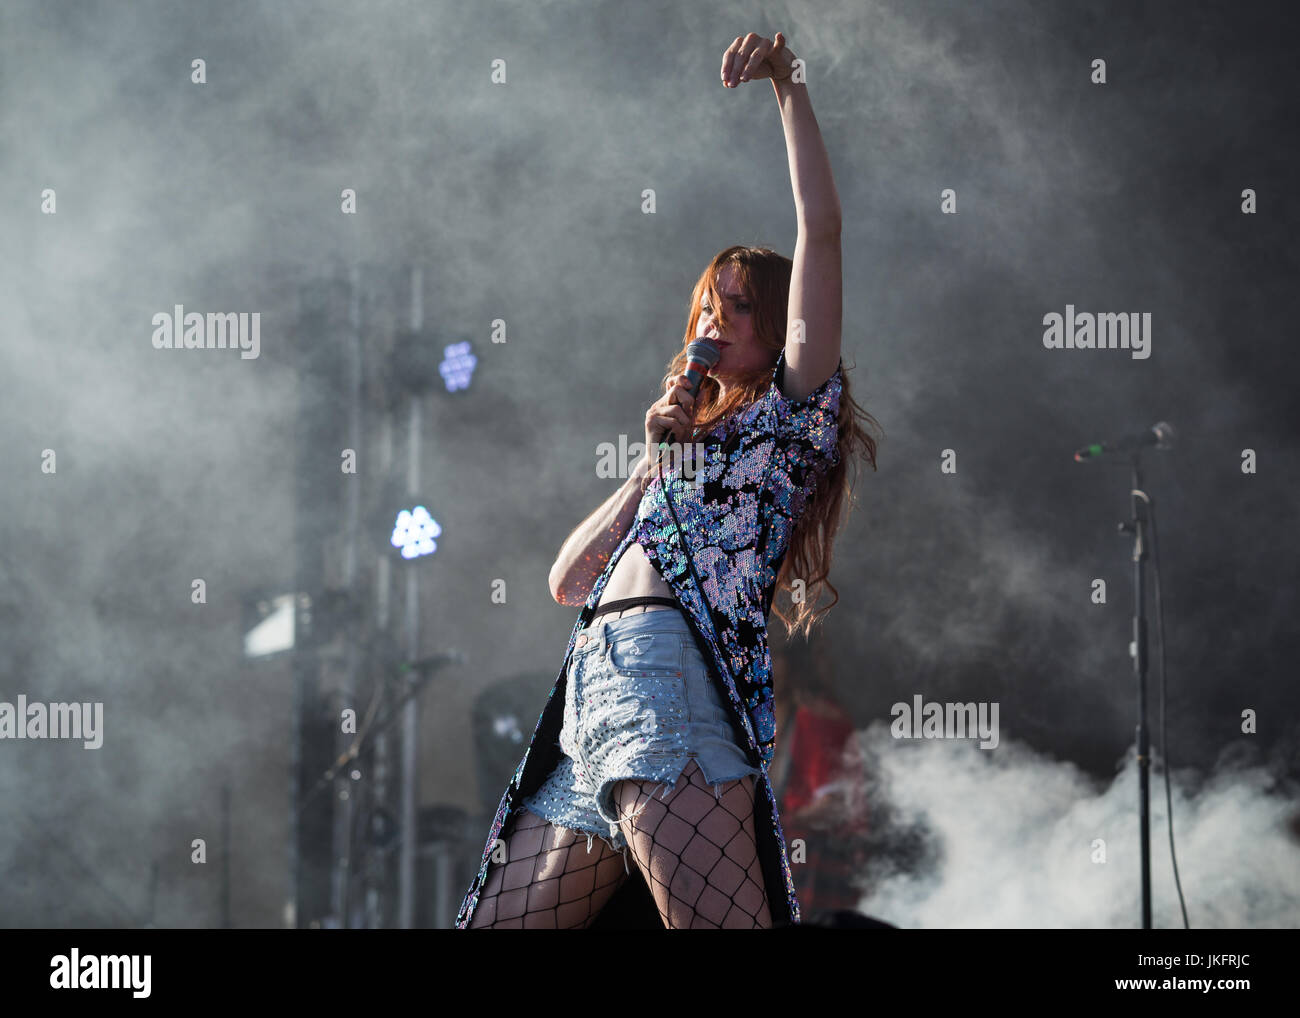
x,y
414,532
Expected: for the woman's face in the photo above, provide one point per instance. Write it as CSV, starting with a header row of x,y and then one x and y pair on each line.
x,y
741,351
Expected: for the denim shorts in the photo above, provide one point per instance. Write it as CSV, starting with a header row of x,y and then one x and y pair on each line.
x,y
638,704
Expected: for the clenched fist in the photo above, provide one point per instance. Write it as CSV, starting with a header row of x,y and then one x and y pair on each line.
x,y
754,57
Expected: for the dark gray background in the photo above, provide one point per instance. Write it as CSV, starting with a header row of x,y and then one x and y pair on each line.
x,y
522,202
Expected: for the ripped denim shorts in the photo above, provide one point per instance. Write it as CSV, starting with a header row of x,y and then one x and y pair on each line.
x,y
638,704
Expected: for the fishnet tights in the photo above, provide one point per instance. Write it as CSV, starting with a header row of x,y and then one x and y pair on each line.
x,y
549,881
696,849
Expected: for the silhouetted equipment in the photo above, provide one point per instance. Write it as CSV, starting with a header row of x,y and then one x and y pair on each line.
x,y
447,859
504,718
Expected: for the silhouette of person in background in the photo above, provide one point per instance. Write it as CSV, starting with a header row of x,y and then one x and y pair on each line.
x,y
816,776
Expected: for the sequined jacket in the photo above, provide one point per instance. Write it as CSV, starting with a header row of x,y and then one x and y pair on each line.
x,y
737,512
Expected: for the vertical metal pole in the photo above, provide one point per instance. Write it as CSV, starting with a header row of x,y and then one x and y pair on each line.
x,y
289,917
378,787
410,712
225,856
343,800
1140,672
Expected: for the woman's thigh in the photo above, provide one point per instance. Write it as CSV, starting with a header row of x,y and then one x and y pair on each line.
x,y
697,849
550,878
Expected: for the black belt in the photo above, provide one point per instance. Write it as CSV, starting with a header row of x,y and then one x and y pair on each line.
x,y
631,602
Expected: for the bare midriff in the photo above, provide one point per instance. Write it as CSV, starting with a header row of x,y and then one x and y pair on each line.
x,y
635,576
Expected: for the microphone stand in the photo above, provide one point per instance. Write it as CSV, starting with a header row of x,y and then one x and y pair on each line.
x,y
1137,526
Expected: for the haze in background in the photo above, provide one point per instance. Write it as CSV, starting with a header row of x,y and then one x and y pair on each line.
x,y
523,202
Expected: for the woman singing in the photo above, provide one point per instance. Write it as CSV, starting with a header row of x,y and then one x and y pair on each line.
x,y
658,732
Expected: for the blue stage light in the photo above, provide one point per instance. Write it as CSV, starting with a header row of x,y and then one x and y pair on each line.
x,y
414,532
457,366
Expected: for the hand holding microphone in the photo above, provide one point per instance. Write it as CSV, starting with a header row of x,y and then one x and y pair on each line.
x,y
672,414
672,417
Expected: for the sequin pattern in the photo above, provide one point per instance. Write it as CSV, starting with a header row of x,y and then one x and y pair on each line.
x,y
760,468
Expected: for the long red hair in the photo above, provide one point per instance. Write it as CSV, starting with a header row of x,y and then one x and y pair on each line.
x,y
764,277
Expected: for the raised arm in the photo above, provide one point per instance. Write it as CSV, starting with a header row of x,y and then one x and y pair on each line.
x,y
816,286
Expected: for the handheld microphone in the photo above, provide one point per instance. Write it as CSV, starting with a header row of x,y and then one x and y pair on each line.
x,y
1159,435
701,356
